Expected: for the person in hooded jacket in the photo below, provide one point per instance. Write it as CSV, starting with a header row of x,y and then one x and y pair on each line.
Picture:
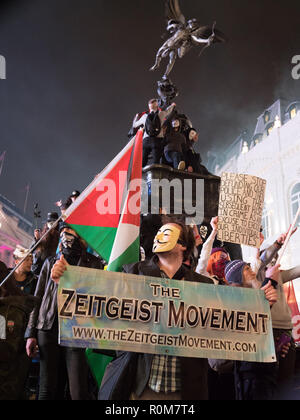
x,y
43,326
193,159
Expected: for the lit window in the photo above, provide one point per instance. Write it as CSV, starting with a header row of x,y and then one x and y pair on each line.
x,y
245,148
267,117
277,122
270,129
257,139
266,223
293,112
295,201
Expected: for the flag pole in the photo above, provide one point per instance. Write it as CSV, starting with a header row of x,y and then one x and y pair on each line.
x,y
289,236
2,157
26,197
31,250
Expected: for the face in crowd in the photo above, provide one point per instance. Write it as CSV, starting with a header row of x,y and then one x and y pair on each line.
x,y
25,267
68,238
193,136
249,277
153,105
167,238
176,124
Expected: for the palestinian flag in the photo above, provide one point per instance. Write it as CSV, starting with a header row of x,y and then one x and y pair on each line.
x,y
107,214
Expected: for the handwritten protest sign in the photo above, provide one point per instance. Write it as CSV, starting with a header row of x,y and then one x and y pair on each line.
x,y
118,311
241,206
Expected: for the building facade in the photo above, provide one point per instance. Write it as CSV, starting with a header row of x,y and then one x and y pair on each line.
x,y
15,229
273,153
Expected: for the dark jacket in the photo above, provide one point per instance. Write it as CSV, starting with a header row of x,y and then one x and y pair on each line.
x,y
9,288
130,372
45,314
29,285
175,142
14,363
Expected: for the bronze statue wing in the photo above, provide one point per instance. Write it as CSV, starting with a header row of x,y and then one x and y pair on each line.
x,y
173,11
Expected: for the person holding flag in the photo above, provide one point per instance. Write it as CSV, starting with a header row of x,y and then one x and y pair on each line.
x,y
113,234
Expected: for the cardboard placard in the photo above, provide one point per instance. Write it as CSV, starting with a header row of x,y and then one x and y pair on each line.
x,y
241,206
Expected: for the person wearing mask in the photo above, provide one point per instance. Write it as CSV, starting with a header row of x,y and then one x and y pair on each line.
x,y
43,325
24,278
159,377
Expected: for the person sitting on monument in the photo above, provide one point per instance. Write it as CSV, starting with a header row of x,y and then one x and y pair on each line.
x,y
192,158
153,124
160,377
175,144
212,261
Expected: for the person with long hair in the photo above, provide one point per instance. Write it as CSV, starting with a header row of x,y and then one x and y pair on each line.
x,y
48,246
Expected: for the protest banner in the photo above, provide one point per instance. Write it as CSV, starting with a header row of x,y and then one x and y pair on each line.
x,y
117,311
241,206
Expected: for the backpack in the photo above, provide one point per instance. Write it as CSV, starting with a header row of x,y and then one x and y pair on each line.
x,y
14,316
153,124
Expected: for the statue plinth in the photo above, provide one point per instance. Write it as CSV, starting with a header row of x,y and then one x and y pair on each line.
x,y
167,92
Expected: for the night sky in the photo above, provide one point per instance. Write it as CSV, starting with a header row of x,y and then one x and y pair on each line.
x,y
78,72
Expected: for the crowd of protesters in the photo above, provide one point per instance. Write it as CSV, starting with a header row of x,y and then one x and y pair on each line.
x,y
178,252
29,329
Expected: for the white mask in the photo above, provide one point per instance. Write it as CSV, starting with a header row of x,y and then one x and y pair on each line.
x,y
166,238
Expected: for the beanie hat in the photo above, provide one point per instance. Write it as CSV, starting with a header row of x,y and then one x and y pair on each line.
x,y
52,217
63,225
214,250
234,271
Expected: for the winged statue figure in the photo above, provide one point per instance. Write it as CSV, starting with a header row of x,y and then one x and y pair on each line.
x,y
184,35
